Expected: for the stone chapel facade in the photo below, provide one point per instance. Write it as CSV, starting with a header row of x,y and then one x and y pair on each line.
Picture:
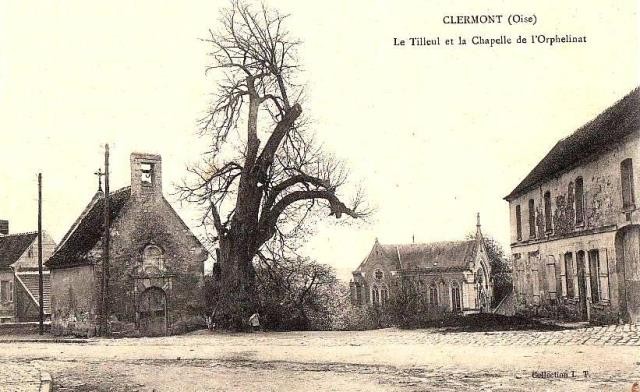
x,y
454,276
156,263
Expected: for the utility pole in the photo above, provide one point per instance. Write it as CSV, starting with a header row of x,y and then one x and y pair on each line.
x,y
40,285
105,255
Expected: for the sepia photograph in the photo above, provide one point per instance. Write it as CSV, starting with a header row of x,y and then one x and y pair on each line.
x,y
271,195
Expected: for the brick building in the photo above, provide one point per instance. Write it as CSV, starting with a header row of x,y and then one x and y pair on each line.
x,y
156,263
19,293
575,226
453,275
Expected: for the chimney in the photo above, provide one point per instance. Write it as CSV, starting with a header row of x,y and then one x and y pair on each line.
x,y
146,175
4,227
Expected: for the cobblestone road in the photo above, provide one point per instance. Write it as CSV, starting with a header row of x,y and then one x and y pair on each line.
x,y
385,360
19,377
614,335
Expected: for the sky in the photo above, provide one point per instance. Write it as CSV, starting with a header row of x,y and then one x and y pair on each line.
x,y
435,134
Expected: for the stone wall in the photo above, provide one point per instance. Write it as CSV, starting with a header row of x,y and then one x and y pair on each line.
x,y
74,301
153,222
539,260
602,196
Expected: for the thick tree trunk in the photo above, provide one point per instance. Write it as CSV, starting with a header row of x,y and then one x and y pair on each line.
x,y
237,294
237,248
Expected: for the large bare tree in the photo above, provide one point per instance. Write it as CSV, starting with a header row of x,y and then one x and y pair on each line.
x,y
264,175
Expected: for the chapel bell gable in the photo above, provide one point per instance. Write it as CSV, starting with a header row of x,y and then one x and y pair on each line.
x,y
146,175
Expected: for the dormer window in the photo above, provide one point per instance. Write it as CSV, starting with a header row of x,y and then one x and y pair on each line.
x,y
146,176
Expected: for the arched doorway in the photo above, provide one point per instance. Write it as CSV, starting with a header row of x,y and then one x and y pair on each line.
x,y
482,294
628,258
152,308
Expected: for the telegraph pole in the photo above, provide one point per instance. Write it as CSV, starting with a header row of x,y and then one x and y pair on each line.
x,y
40,285
105,258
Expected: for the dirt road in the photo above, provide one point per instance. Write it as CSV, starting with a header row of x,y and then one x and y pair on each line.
x,y
384,360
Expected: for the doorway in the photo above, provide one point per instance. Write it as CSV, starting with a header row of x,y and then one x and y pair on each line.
x,y
152,308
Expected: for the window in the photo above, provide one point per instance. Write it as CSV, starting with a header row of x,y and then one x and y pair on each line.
x,y
534,261
532,219
152,260
456,306
384,295
568,271
433,295
626,177
551,277
594,270
147,173
547,212
520,277
579,196
6,291
518,223
358,293
30,252
375,295
598,276
379,274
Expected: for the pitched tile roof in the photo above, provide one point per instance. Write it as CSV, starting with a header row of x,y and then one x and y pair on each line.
x,y
13,246
87,231
618,121
446,255
436,256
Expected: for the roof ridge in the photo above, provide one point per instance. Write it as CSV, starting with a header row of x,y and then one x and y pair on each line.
x,y
430,243
124,188
18,234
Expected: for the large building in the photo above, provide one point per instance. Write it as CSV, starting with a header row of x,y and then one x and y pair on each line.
x,y
19,276
156,263
453,276
575,223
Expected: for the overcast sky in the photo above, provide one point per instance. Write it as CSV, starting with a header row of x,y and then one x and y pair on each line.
x,y
435,133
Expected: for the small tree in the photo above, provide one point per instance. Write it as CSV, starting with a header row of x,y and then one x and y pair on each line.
x,y
296,293
408,306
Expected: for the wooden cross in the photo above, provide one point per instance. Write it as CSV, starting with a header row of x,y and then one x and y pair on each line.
x,y
99,173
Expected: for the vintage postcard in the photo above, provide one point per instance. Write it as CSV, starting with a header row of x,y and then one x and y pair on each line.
x,y
242,195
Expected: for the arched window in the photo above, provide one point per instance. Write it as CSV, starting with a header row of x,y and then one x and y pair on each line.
x,y
456,304
152,260
358,293
433,294
375,295
384,295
